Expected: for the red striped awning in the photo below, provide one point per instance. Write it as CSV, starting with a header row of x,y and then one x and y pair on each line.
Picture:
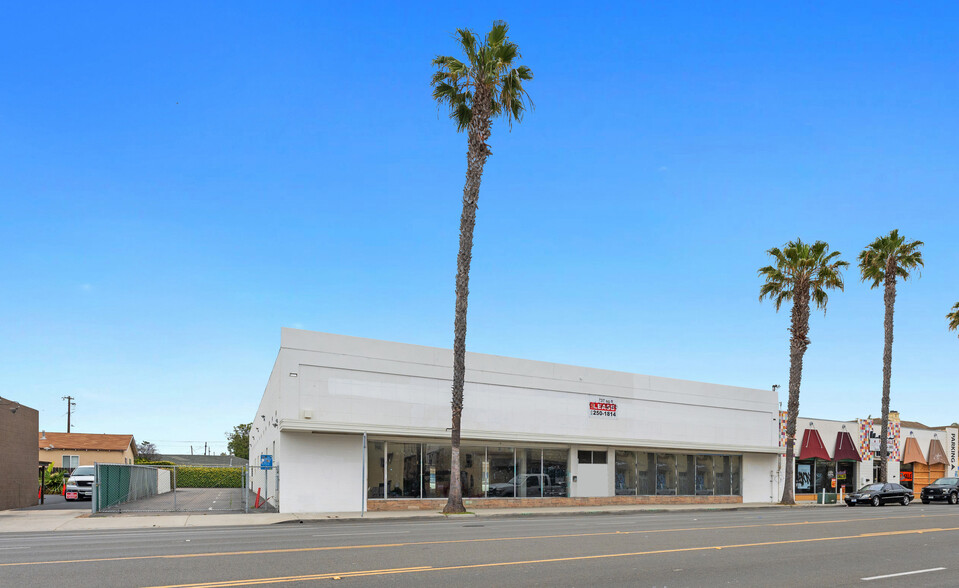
x,y
845,448
812,446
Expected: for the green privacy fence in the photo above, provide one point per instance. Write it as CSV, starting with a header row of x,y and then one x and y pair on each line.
x,y
119,483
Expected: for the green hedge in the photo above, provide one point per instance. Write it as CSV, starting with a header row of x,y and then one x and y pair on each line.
x,y
200,477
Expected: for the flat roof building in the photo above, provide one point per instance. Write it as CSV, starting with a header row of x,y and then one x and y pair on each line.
x,y
356,424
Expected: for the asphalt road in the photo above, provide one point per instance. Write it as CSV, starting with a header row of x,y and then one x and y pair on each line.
x,y
754,547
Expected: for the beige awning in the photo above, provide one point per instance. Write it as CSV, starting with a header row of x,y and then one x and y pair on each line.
x,y
936,453
911,453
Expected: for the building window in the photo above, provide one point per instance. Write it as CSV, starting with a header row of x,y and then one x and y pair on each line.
x,y
71,462
374,474
403,470
556,467
591,456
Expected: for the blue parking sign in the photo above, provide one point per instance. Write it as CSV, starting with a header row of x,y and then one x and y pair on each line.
x,y
266,462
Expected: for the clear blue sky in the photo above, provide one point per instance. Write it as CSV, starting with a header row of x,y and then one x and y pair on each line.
x,y
180,180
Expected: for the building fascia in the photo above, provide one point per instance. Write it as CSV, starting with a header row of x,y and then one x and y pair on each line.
x,y
311,426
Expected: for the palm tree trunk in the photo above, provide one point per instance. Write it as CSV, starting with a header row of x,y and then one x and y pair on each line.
x,y
889,297
478,131
797,349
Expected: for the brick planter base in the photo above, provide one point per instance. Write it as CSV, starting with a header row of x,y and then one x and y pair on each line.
x,y
480,503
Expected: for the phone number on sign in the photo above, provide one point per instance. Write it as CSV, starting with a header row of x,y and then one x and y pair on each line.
x,y
602,409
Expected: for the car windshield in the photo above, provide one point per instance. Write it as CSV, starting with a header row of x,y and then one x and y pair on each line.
x,y
83,471
871,488
946,482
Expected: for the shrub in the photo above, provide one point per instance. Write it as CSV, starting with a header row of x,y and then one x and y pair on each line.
x,y
201,477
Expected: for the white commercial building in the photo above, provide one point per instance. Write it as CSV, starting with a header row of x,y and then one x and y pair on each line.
x,y
357,424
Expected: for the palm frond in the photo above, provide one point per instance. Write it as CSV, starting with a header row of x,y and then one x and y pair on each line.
x,y
487,65
953,318
799,267
874,259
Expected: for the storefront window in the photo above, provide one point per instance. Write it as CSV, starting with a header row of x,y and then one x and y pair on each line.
x,y
846,476
374,469
735,478
705,477
721,471
529,468
403,470
804,476
436,471
625,473
471,470
645,473
906,475
501,472
685,474
665,473
825,476
556,467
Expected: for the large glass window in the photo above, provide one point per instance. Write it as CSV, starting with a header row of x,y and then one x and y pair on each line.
x,y
665,473
685,472
529,468
804,476
471,470
556,468
626,483
846,476
374,469
501,472
735,476
436,470
705,476
403,473
645,473
721,471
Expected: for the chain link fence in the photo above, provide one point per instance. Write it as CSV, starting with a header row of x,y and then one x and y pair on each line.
x,y
174,488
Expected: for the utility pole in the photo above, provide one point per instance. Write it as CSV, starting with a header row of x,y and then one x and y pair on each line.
x,y
204,448
70,404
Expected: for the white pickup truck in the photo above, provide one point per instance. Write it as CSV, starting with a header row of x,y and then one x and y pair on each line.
x,y
531,482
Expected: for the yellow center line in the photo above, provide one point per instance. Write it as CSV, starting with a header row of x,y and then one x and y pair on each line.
x,y
454,541
361,573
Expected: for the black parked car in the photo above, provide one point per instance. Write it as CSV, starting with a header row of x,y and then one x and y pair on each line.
x,y
942,489
878,494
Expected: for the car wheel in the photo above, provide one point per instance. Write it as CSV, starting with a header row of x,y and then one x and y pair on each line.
x,y
905,501
876,501
954,498
925,501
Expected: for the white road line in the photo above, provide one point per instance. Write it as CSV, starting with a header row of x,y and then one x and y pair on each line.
x,y
901,574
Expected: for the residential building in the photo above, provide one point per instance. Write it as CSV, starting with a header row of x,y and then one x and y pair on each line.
x,y
69,450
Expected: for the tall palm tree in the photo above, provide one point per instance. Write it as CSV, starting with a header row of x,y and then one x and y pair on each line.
x,y
478,89
881,262
802,273
953,318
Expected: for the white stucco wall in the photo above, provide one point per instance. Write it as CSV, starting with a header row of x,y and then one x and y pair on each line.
x,y
322,473
346,386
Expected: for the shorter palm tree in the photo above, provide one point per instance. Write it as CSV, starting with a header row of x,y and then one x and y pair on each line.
x,y
953,318
881,262
802,274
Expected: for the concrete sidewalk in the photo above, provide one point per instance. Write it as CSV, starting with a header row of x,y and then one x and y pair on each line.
x,y
34,520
